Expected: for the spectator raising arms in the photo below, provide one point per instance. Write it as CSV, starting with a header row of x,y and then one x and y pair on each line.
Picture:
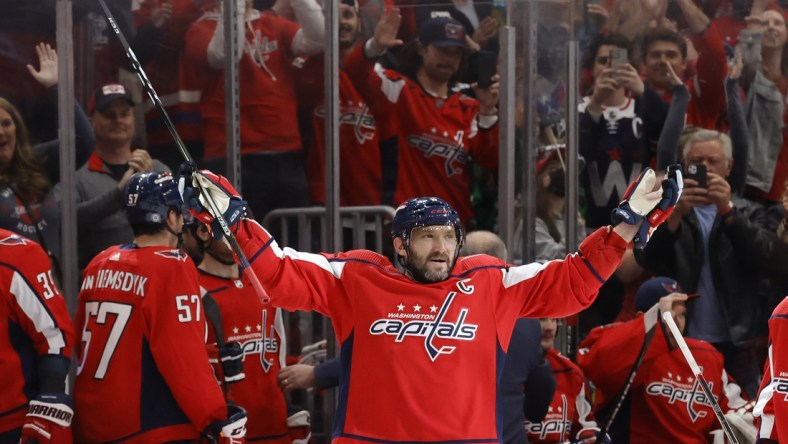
x,y
28,173
440,132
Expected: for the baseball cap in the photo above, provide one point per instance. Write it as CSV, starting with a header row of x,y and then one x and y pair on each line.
x,y
442,31
104,95
651,291
556,152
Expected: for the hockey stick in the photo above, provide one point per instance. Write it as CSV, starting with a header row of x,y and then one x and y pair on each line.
x,y
627,385
213,209
674,329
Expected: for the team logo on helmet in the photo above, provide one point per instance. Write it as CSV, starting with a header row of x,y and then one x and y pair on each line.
x,y
13,240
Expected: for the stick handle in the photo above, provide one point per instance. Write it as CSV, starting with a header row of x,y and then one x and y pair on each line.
x,y
674,329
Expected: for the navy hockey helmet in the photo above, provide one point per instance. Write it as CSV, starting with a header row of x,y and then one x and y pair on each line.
x,y
423,212
148,197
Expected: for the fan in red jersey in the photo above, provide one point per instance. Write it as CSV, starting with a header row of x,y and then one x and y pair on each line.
x,y
569,416
439,131
143,372
421,349
667,403
37,337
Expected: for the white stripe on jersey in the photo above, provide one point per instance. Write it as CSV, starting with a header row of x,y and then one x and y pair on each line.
x,y
521,273
36,311
335,268
391,88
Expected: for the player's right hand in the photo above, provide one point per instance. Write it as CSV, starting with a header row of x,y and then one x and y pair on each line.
x,y
231,430
48,420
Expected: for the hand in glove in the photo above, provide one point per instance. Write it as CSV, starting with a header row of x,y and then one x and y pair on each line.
x,y
196,186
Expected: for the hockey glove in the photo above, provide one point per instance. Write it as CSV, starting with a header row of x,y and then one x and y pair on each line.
x,y
232,357
639,199
195,190
299,425
672,186
48,420
229,431
589,436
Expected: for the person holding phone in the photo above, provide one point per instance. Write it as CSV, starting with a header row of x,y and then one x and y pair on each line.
x,y
715,244
440,132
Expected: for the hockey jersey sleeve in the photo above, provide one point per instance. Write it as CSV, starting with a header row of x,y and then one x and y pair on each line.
x,y
709,87
562,287
771,409
176,333
33,301
318,286
380,88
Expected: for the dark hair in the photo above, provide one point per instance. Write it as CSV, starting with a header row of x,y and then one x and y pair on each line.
x,y
600,40
410,61
25,171
142,229
664,35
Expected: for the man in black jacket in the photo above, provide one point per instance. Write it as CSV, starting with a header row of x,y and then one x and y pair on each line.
x,y
717,247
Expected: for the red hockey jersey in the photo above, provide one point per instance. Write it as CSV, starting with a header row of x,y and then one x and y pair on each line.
x,y
421,362
360,168
267,97
570,410
771,410
668,404
34,322
143,373
260,331
438,137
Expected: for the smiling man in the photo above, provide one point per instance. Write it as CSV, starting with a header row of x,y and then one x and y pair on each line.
x,y
100,182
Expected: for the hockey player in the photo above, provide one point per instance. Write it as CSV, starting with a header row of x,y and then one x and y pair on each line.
x,y
236,316
143,373
569,415
667,402
440,131
421,351
37,337
772,406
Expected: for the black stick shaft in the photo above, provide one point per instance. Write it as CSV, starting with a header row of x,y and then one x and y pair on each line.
x,y
212,207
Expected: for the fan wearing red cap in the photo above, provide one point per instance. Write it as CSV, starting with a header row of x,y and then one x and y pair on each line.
x,y
665,405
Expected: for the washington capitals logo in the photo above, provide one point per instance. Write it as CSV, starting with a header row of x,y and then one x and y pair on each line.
x,y
13,240
693,396
451,150
172,254
355,115
429,326
268,344
780,386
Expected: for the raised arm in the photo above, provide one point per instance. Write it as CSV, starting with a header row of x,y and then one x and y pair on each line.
x,y
47,76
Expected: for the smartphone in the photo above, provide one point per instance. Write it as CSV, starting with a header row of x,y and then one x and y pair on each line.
x,y
697,172
618,57
487,66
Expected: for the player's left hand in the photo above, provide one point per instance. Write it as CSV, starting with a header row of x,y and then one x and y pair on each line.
x,y
671,192
48,420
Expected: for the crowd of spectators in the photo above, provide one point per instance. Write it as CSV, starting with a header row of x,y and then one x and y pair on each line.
x,y
703,83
